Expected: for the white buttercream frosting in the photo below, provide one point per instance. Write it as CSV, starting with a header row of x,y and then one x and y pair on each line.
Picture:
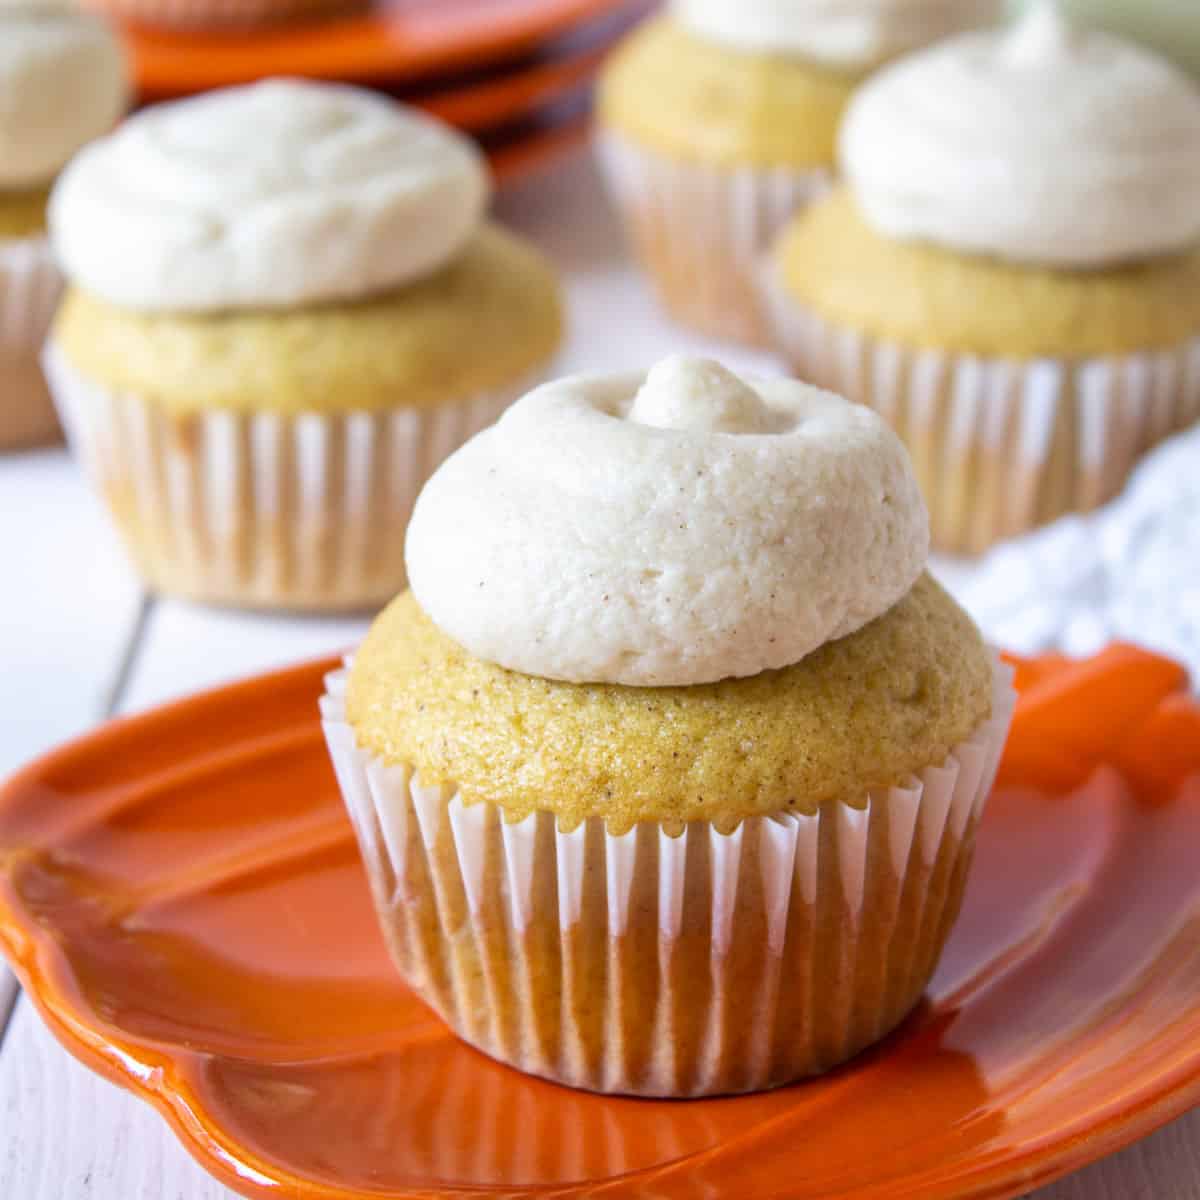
x,y
279,194
63,81
1045,144
839,33
672,528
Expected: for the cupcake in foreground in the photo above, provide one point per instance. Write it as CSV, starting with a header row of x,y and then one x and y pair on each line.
x,y
63,82
285,310
1012,275
667,771
719,120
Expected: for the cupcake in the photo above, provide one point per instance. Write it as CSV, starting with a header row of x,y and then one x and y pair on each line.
x,y
198,16
1011,275
718,120
63,81
285,309
666,772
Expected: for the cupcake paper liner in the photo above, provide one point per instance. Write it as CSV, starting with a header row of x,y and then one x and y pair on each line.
x,y
669,962
224,14
30,287
263,509
999,446
701,231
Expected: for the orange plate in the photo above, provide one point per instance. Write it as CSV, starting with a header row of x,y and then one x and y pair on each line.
x,y
182,897
399,39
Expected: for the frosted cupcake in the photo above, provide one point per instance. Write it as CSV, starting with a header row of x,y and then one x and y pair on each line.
x,y
667,771
719,120
286,309
1011,276
63,81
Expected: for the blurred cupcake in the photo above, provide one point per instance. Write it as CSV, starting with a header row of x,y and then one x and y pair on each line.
x,y
63,81
220,15
1012,275
285,310
719,120
667,771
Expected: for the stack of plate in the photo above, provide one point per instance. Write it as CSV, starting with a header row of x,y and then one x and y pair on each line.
x,y
516,74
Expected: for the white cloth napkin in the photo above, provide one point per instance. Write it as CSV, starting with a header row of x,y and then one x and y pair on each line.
x,y
1129,571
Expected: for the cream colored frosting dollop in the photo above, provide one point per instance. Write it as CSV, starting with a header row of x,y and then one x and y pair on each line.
x,y
677,527
64,80
838,33
278,194
1045,144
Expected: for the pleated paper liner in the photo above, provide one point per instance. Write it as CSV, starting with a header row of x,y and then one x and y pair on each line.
x,y
660,965
1000,446
30,286
261,509
701,231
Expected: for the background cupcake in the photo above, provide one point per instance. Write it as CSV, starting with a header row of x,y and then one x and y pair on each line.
x,y
1011,276
667,772
63,81
286,309
719,119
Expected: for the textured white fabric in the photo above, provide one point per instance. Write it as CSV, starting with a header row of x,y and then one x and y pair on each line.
x,y
1129,571
64,80
279,194
842,33
671,528
1044,144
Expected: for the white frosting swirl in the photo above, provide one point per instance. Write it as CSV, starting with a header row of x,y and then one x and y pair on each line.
x,y
1044,144
63,81
674,528
279,194
839,33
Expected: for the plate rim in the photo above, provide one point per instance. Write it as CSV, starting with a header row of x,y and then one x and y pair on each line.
x,y
491,41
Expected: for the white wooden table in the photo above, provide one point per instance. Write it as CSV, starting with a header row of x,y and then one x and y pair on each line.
x,y
75,644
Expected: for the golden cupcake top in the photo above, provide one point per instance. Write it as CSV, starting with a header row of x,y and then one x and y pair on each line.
x,y
479,323
910,292
863,712
23,213
695,99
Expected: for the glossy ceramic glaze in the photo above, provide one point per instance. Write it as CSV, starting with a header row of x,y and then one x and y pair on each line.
x,y
396,39
181,895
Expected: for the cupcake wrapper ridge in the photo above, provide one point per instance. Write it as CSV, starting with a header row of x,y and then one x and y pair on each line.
x,y
660,965
263,509
30,288
701,231
1000,446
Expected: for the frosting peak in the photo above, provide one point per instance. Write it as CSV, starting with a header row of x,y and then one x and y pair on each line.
x,y
852,34
699,394
1044,33
1043,143
673,528
278,194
